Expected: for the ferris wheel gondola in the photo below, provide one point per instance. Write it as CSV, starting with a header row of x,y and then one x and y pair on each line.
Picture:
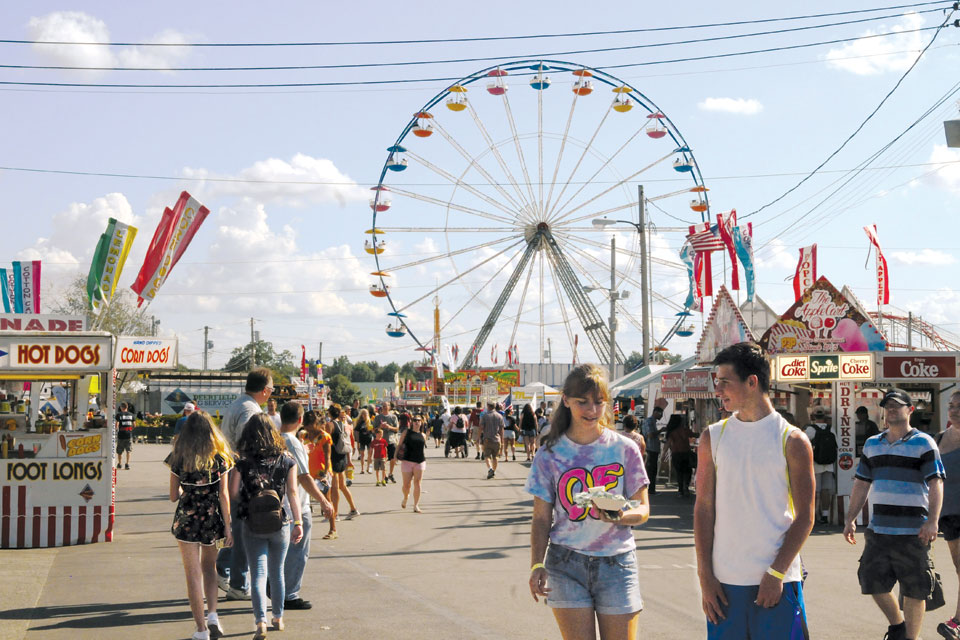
x,y
503,220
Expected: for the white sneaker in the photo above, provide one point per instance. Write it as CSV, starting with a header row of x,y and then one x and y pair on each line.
x,y
237,594
215,628
223,582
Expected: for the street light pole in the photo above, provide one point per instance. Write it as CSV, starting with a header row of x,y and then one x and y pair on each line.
x,y
613,307
644,280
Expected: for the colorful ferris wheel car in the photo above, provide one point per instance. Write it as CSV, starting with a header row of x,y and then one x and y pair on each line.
x,y
498,87
378,291
656,129
380,202
396,161
374,248
423,128
458,98
683,163
540,81
396,331
622,102
583,85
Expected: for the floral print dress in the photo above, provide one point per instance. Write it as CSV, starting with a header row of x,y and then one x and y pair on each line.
x,y
198,517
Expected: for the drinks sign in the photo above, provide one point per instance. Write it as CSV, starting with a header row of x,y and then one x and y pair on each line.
x,y
919,366
793,367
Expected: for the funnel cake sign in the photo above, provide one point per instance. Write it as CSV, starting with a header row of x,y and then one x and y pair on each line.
x,y
823,320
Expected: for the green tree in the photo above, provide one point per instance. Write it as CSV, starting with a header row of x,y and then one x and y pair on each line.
x,y
362,373
388,372
282,364
121,317
342,391
633,362
341,366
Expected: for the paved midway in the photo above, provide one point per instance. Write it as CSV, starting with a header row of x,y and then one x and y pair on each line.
x,y
459,570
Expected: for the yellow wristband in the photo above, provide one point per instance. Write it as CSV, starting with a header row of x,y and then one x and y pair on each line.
x,y
297,522
776,574
539,565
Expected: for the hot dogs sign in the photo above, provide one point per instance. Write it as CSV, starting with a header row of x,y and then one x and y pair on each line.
x,y
86,352
823,320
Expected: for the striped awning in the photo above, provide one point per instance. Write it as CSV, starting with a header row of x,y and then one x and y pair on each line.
x,y
688,395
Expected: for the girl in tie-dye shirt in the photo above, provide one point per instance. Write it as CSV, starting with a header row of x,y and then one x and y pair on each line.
x,y
590,567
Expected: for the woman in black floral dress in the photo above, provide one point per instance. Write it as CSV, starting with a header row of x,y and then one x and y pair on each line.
x,y
199,464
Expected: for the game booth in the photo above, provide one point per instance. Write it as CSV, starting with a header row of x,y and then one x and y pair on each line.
x,y
57,461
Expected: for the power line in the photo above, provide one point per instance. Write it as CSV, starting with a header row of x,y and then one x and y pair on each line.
x,y
862,124
368,65
472,39
135,176
352,83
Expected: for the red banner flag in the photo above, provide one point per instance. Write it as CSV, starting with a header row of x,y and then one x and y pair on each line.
x,y
725,225
178,228
883,276
806,273
303,364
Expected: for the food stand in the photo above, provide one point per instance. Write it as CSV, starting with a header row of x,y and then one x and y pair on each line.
x,y
58,485
59,478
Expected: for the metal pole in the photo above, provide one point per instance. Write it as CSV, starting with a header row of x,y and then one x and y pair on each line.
x,y
206,343
253,347
320,355
613,307
910,330
644,280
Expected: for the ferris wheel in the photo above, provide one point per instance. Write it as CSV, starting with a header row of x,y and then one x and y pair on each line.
x,y
485,202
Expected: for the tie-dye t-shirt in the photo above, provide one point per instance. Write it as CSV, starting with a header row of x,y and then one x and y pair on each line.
x,y
557,474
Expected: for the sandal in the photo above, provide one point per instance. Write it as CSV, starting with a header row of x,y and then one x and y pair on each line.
x,y
276,624
261,632
331,536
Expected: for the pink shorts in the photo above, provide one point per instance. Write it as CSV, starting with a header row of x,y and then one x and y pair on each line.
x,y
407,467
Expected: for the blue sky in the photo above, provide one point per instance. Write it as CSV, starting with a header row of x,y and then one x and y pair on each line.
x,y
292,255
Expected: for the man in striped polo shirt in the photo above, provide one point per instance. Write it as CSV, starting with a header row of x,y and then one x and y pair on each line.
x,y
900,470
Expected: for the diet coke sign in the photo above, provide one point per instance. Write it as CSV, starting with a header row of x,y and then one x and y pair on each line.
x,y
919,367
793,367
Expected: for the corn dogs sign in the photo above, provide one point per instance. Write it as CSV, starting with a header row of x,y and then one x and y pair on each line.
x,y
146,353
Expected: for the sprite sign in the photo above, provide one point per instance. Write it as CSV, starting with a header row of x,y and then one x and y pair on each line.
x,y
824,367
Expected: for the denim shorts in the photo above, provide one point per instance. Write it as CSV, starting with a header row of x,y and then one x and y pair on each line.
x,y
608,584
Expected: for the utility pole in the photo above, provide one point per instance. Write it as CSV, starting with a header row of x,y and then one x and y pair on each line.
x,y
253,347
613,307
644,280
320,355
206,345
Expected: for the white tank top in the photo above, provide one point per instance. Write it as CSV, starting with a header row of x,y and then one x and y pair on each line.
x,y
754,508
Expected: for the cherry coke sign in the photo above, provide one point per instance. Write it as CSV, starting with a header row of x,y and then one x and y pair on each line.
x,y
919,367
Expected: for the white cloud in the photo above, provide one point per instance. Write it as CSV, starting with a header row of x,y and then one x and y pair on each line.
x,y
931,257
776,255
738,106
76,26
948,175
301,181
875,55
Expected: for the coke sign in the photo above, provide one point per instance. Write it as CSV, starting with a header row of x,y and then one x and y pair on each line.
x,y
919,367
793,367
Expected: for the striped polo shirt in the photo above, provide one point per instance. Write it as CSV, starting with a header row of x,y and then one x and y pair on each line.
x,y
899,472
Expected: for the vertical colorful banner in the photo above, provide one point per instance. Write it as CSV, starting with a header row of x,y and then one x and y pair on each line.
x,y
883,275
693,292
9,289
743,241
171,238
725,225
806,273
111,253
303,363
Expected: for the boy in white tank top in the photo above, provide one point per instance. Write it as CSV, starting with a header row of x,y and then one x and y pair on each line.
x,y
755,507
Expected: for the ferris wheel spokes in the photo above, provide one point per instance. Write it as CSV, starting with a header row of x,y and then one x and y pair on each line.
x,y
596,214
599,170
610,188
516,144
460,183
474,163
456,207
458,276
481,289
492,146
563,309
576,167
441,256
563,145
523,299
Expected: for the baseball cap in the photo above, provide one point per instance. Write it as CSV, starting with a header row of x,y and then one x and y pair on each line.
x,y
897,395
189,407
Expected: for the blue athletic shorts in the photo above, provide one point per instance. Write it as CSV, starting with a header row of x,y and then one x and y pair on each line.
x,y
744,619
609,585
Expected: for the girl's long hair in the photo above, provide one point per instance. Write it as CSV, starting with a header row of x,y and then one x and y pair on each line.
x,y
363,418
528,421
260,439
199,443
584,381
